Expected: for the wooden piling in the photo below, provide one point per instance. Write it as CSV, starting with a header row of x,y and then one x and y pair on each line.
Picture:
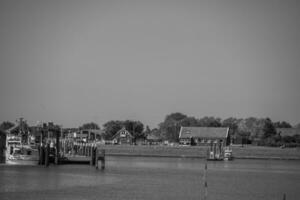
x,y
96,158
41,155
100,155
93,156
205,182
56,161
284,197
102,159
47,152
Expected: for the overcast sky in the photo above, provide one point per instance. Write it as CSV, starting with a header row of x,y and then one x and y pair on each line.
x,y
73,62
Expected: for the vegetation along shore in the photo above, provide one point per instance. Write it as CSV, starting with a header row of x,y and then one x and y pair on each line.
x,y
240,152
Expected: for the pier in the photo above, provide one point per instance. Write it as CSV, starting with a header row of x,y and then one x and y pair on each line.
x,y
68,152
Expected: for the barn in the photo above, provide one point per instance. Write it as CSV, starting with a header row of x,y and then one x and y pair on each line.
x,y
204,135
122,137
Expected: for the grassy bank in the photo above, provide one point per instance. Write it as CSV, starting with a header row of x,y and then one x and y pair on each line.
x,y
246,152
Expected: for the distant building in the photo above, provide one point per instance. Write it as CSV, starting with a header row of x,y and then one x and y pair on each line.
x,y
123,137
84,135
154,138
204,135
283,132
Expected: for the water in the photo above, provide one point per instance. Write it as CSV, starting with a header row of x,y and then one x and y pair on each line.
x,y
154,178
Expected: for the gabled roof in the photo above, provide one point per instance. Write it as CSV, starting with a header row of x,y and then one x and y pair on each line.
x,y
204,132
122,131
288,131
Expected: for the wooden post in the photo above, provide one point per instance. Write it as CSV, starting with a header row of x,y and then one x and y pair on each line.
x,y
93,156
47,151
57,149
102,159
205,182
41,154
100,155
96,158
215,145
284,198
89,150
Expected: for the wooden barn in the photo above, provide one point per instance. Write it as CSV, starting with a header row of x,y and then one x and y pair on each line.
x,y
204,135
123,137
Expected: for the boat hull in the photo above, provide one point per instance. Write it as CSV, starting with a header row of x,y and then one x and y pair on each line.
x,y
22,162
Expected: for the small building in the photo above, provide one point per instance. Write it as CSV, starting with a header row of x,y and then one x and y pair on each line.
x,y
204,135
123,137
90,134
153,139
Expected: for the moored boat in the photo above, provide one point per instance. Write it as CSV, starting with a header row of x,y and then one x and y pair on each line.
x,y
20,154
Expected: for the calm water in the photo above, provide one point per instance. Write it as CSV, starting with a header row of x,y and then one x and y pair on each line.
x,y
154,178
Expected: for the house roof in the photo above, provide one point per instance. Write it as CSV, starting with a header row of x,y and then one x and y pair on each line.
x,y
204,132
288,131
122,131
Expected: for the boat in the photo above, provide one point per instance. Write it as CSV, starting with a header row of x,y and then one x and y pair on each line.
x,y
20,154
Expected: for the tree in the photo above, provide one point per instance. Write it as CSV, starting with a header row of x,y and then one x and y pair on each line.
x,y
269,129
189,121
210,122
6,125
147,130
232,124
282,124
91,125
111,128
251,125
175,117
136,128
171,126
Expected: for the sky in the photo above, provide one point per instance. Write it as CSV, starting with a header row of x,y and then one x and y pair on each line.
x,y
72,62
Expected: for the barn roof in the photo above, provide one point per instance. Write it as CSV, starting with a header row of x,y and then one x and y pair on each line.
x,y
204,132
288,131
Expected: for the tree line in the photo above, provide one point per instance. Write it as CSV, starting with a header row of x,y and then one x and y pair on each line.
x,y
261,131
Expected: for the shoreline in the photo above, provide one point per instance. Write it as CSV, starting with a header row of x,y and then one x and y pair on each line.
x,y
198,157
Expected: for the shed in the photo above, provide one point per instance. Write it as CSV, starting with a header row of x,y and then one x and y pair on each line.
x,y
204,135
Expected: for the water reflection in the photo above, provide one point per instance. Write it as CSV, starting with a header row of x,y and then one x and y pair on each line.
x,y
154,178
